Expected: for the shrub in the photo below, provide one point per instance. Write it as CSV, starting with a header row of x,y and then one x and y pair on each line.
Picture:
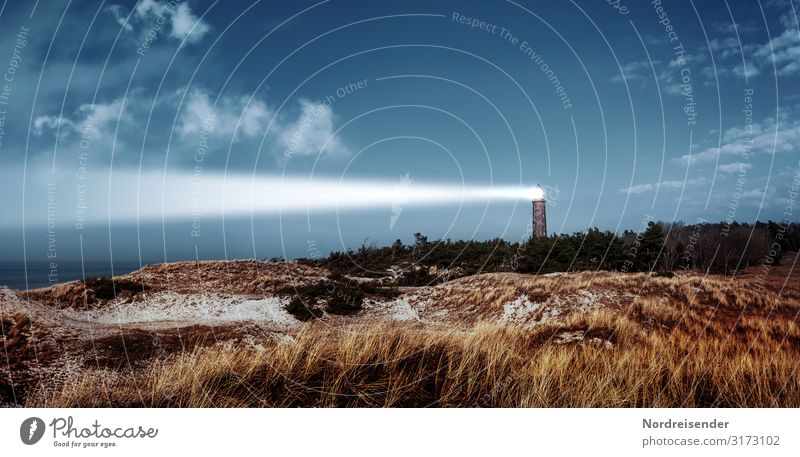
x,y
337,294
301,310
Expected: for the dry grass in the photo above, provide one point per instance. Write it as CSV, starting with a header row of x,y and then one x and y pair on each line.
x,y
488,365
687,341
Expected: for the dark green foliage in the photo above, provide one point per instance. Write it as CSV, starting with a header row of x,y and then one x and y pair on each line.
x,y
108,289
646,247
344,301
303,311
786,235
469,257
415,277
659,246
337,294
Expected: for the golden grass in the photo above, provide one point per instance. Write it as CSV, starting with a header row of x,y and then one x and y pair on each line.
x,y
676,342
489,365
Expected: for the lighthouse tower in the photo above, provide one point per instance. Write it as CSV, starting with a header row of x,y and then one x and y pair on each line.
x,y
539,213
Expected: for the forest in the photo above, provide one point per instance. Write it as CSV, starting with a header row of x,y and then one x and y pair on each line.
x,y
721,248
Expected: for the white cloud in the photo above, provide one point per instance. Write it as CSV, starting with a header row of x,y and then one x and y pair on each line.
x,y
690,59
638,189
120,15
145,8
668,73
753,193
746,73
230,115
733,167
254,118
635,71
46,123
783,51
765,139
99,119
311,132
184,25
663,185
725,48
731,28
195,112
106,114
738,133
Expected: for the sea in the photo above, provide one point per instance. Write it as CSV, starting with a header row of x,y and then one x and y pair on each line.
x,y
33,275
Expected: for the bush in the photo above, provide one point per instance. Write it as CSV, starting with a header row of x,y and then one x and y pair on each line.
x,y
415,277
657,246
301,310
337,295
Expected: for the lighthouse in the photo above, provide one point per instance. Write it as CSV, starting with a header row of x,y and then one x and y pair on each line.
x,y
539,212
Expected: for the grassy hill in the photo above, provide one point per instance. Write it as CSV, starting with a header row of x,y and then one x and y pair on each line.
x,y
219,334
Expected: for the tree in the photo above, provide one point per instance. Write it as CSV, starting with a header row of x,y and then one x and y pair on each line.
x,y
648,247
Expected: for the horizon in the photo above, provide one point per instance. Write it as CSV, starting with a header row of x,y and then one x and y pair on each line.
x,y
40,273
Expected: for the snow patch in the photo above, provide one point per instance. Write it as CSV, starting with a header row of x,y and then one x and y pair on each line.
x,y
568,337
587,301
171,307
402,310
579,337
524,311
520,310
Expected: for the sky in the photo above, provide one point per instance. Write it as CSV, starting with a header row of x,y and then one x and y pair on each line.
x,y
157,131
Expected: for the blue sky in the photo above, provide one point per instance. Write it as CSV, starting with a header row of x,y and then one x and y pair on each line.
x,y
624,110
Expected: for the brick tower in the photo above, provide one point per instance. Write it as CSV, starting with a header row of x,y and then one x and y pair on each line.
x,y
539,213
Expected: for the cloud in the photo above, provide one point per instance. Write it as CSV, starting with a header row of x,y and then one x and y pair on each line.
x,y
305,131
668,73
146,8
311,133
765,139
663,185
753,193
732,28
751,71
635,71
231,115
778,4
103,115
120,15
726,47
46,123
186,26
782,50
98,119
147,16
739,133
734,167
690,59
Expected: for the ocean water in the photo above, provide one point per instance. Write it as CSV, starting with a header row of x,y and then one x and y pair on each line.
x,y
13,274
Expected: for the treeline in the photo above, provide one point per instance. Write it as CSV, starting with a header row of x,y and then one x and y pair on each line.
x,y
658,246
